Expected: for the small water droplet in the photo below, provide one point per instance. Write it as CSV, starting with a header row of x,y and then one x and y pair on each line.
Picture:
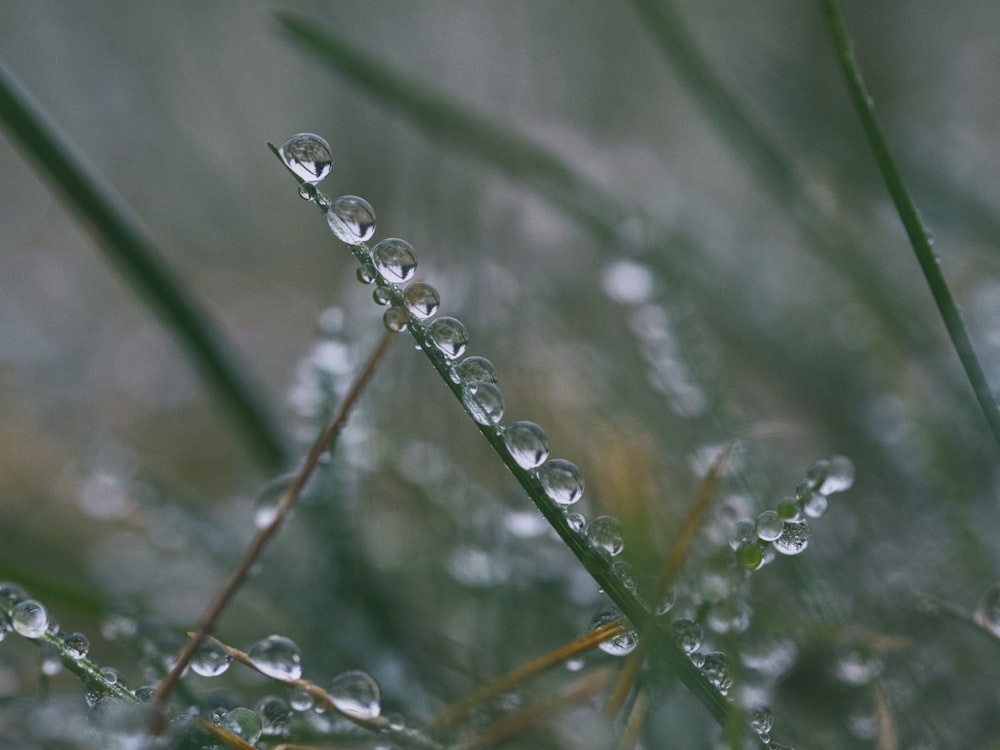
x,y
308,156
307,191
30,619
475,369
12,593
484,402
769,525
750,555
396,319
382,295
840,476
356,694
275,713
858,667
621,644
760,720
987,612
794,538
77,645
654,599
265,507
421,300
301,699
450,337
366,273
277,657
562,481
352,219
688,634
527,444
605,534
623,571
716,668
243,722
394,259
815,504
210,660
743,533
790,509
576,521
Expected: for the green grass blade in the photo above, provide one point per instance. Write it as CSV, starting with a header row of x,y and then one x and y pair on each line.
x,y
445,119
915,230
134,255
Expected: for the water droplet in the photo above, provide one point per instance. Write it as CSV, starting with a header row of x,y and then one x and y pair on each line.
x,y
277,657
475,369
30,619
815,504
308,156
750,555
265,507
858,667
605,534
621,644
77,645
382,295
622,570
113,677
576,521
688,634
356,694
731,615
484,402
210,660
301,699
987,612
561,481
275,714
760,720
422,300
449,336
12,593
366,273
743,533
145,693
794,538
352,219
307,191
243,722
396,319
527,444
840,476
394,259
790,509
769,525
716,669
654,600
51,664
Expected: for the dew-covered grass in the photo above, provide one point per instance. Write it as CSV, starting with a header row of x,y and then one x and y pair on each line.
x,y
569,380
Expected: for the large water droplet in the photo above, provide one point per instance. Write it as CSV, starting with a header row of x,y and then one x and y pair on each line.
x,y
12,593
769,525
30,619
352,219
987,612
716,668
750,555
562,481
450,337
794,538
605,535
474,369
356,694
394,259
277,657
484,402
243,722
687,633
527,444
308,156
422,300
210,660
621,644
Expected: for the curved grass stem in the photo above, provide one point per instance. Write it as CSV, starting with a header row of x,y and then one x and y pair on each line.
x,y
915,229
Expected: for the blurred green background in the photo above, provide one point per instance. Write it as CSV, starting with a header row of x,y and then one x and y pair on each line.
x,y
715,312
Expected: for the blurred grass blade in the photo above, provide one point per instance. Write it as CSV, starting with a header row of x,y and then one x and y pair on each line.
x,y
443,118
915,230
127,246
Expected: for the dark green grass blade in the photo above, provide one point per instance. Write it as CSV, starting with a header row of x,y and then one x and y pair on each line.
x,y
442,118
134,255
915,229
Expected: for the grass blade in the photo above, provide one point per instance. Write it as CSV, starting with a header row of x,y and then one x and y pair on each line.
x,y
915,229
135,257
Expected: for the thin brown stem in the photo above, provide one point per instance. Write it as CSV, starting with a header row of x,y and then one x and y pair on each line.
x,y
225,593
